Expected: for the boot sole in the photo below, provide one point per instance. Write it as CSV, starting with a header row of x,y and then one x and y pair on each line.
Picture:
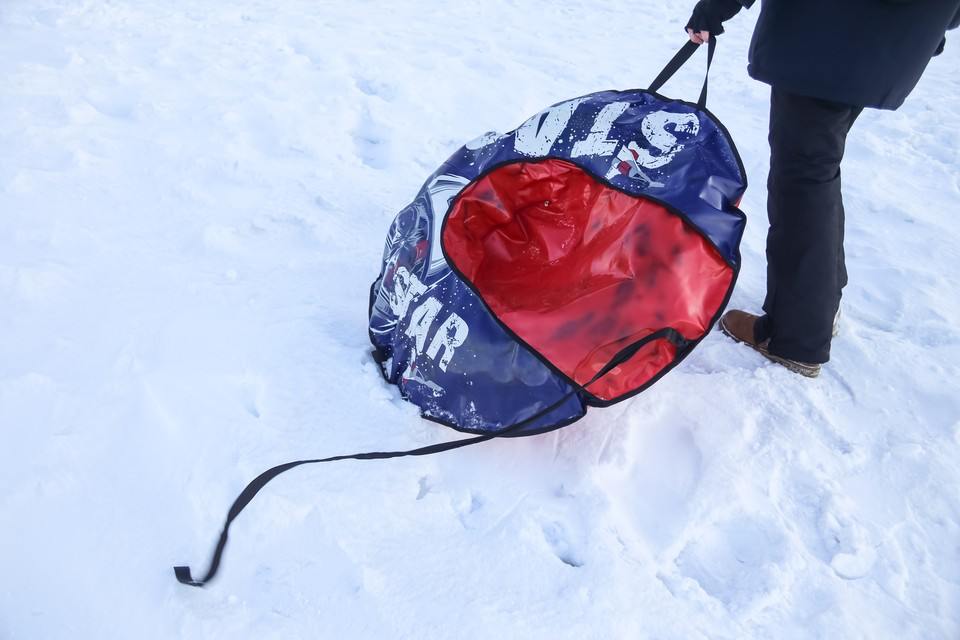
x,y
804,370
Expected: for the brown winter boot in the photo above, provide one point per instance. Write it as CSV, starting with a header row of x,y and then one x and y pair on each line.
x,y
739,326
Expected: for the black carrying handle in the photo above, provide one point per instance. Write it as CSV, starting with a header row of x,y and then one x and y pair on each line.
x,y
686,51
183,574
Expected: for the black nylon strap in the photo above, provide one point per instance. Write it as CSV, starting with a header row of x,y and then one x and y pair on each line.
x,y
183,573
678,60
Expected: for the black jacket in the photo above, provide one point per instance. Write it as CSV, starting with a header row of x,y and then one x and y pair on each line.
x,y
867,53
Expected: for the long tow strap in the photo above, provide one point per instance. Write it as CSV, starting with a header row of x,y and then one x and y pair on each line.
x,y
183,573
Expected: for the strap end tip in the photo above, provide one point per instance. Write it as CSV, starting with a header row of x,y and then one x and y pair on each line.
x,y
185,577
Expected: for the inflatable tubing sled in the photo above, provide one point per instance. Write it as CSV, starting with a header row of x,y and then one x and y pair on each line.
x,y
569,263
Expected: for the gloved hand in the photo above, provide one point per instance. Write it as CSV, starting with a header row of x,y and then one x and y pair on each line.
x,y
708,17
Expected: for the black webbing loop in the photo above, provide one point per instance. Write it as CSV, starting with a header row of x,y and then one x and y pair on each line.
x,y
684,54
183,573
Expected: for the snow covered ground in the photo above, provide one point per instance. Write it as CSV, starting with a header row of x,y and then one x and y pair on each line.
x,y
193,199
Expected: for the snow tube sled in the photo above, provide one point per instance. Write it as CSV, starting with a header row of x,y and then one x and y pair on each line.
x,y
602,233
571,262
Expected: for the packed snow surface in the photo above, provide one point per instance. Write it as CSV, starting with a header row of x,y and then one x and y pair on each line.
x,y
193,200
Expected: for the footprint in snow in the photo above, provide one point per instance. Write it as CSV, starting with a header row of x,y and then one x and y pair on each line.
x,y
736,561
375,88
558,526
118,103
371,142
424,487
563,545
309,51
654,486
470,510
250,389
822,522
853,554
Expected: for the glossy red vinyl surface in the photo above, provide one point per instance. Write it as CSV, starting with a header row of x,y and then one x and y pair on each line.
x,y
579,270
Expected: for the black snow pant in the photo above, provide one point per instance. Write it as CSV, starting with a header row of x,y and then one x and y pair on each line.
x,y
805,263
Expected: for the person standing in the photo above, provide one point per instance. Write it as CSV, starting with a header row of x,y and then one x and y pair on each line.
x,y
826,60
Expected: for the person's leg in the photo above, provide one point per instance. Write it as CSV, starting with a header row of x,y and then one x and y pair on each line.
x,y
842,267
805,266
